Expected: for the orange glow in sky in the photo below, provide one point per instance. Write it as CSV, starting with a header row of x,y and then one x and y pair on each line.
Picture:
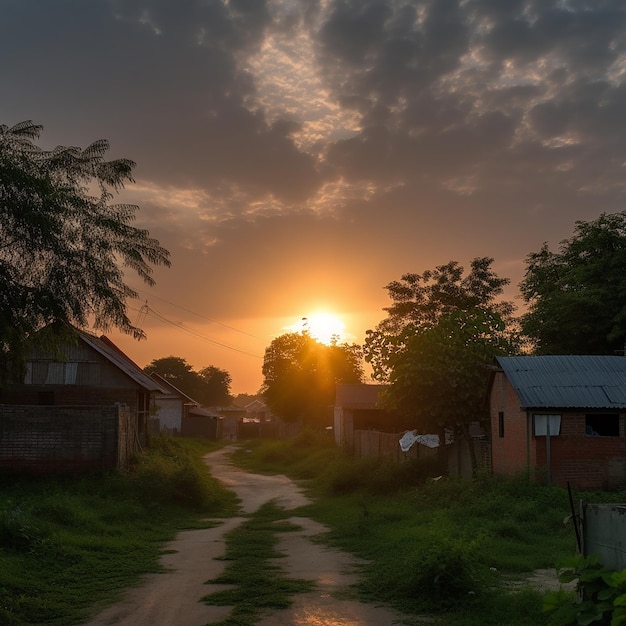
x,y
323,326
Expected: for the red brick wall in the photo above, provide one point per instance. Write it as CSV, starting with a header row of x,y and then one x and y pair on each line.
x,y
583,461
509,453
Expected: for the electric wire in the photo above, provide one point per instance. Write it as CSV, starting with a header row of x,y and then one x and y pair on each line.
x,y
243,332
147,309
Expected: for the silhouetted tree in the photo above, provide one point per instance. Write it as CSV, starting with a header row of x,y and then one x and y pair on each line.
x,y
210,386
439,376
420,300
63,244
300,375
577,296
178,372
215,386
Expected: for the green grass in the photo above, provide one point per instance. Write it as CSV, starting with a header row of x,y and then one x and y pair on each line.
x,y
445,547
67,541
259,583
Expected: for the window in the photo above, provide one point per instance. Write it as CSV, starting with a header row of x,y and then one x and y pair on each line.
x,y
500,424
542,422
602,424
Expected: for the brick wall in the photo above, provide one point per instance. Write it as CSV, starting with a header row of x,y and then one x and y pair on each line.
x,y
45,439
509,453
585,462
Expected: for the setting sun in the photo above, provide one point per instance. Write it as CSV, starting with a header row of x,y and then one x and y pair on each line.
x,y
322,326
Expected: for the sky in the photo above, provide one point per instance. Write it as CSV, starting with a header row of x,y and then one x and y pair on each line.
x,y
297,156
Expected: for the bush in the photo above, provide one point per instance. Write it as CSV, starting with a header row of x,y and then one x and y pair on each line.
x,y
18,531
168,473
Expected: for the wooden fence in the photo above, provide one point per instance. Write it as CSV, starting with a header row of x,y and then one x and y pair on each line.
x,y
372,443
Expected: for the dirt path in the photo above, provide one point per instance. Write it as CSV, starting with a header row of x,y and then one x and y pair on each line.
x,y
173,598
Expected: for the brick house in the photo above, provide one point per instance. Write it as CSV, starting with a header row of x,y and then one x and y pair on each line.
x,y
87,405
561,417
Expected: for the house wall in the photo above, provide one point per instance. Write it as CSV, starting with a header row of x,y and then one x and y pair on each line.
x,y
45,439
509,453
201,426
584,461
169,413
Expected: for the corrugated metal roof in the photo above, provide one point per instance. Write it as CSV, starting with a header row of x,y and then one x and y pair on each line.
x,y
571,381
112,353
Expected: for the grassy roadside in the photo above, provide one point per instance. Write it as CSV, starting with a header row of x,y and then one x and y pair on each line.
x,y
446,547
66,543
258,582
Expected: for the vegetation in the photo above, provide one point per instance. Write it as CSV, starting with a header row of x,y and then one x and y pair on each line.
x,y
67,541
419,301
300,374
210,386
63,244
434,349
259,582
576,296
458,550
600,596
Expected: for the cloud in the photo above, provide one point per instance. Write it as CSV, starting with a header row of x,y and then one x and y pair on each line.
x,y
294,150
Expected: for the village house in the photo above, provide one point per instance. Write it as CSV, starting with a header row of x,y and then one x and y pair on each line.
x,y
563,418
85,405
171,407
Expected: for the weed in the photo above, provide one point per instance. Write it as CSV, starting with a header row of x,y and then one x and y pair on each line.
x,y
259,583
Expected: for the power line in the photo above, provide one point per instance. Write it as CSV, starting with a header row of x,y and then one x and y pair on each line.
x,y
180,326
237,330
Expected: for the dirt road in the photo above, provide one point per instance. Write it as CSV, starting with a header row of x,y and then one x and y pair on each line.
x,y
174,598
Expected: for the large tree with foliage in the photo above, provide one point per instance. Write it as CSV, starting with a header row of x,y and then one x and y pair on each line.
x,y
300,374
64,245
577,296
210,386
419,301
439,375
214,386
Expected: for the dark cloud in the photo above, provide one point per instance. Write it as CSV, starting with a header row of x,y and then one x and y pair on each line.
x,y
329,147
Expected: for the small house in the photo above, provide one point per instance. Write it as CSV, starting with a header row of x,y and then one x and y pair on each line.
x,y
84,405
560,417
172,406
357,407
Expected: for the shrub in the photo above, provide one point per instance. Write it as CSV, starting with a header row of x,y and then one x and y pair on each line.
x,y
18,531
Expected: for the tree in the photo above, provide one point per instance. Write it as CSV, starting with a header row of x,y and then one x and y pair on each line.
x,y
63,244
210,386
300,375
421,300
577,296
215,386
178,372
439,375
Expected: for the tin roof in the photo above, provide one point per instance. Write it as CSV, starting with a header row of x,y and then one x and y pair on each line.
x,y
113,354
571,381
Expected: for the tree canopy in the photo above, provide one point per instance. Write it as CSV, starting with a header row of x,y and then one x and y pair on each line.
x,y
419,301
439,377
210,386
300,375
64,246
577,296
